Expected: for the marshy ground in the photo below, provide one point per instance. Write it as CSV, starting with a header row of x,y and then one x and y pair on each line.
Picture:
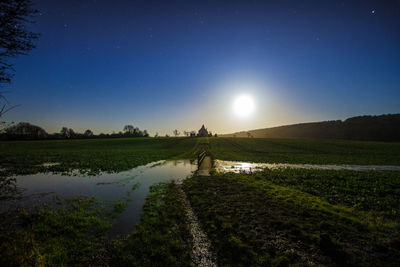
x,y
275,217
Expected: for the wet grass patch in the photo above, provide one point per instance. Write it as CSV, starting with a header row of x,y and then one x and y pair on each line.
x,y
162,237
89,156
375,191
70,232
256,222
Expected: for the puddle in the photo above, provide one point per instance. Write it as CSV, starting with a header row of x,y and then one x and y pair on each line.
x,y
237,166
49,164
133,184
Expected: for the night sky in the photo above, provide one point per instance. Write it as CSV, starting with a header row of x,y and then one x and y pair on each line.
x,y
178,64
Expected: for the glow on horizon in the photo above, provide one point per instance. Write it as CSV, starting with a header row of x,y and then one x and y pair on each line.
x,y
160,69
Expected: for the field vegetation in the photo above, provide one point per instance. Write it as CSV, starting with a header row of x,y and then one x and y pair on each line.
x,y
90,155
276,217
252,220
119,154
162,237
70,232
306,151
373,191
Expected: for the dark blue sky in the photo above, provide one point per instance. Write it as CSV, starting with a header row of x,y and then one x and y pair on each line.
x,y
162,65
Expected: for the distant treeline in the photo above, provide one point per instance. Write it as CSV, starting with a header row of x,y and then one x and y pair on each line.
x,y
367,128
27,131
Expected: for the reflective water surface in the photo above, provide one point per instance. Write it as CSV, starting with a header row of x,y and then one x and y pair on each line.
x,y
41,188
238,166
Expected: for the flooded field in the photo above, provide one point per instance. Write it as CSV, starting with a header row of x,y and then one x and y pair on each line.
x,y
239,166
132,186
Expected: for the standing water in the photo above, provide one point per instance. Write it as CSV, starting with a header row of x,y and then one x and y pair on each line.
x,y
239,166
133,184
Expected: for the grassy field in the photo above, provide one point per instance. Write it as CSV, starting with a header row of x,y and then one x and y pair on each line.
x,y
275,217
162,237
93,155
297,216
372,191
74,232
253,221
71,233
306,151
119,154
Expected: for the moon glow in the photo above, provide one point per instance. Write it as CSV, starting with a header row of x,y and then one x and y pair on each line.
x,y
243,106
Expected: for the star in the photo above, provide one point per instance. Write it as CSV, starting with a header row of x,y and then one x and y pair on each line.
x,y
373,11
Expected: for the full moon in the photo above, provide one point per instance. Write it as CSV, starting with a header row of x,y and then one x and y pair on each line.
x,y
243,105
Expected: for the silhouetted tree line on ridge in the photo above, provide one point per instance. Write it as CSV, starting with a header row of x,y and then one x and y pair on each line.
x,y
27,131
366,128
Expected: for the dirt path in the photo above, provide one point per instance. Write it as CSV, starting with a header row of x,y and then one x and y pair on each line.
x,y
201,250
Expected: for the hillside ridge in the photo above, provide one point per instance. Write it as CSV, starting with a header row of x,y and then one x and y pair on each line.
x,y
384,127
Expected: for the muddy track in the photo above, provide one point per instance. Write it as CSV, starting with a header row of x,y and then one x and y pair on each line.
x,y
201,246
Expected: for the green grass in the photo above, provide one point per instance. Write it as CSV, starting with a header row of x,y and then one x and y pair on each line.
x,y
306,151
253,221
71,233
274,217
118,206
92,156
162,237
377,191
114,155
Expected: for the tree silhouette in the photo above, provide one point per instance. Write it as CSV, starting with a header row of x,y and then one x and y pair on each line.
x,y
4,109
129,129
176,132
25,130
88,133
71,133
15,39
64,132
4,125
